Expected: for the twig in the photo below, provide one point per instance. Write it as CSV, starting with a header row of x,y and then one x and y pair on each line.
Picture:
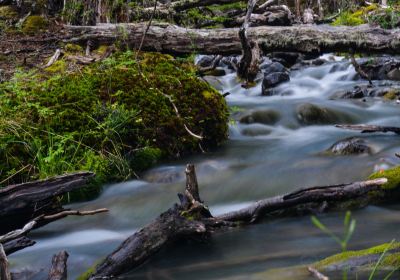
x,y
64,214
318,275
146,30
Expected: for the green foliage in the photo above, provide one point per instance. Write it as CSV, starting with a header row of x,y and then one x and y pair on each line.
x,y
349,227
113,117
393,176
386,18
8,12
348,18
34,24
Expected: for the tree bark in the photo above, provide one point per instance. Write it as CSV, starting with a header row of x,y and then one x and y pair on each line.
x,y
15,245
58,269
19,204
4,266
178,40
191,218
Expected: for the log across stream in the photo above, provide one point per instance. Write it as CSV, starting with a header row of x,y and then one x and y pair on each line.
x,y
259,161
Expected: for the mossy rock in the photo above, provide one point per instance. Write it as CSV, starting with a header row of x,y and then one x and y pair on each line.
x,y
114,117
73,48
393,176
310,114
268,117
34,24
8,12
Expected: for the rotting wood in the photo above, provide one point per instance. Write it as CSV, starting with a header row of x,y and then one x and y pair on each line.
x,y
301,38
366,128
58,270
4,266
15,245
20,204
191,218
249,64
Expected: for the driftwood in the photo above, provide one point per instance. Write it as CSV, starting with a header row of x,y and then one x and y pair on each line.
x,y
17,244
178,40
318,275
365,128
4,267
58,269
249,64
20,204
191,218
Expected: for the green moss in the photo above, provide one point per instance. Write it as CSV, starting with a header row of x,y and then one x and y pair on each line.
x,y
34,24
393,176
114,118
73,48
90,271
345,256
8,12
348,18
391,95
59,66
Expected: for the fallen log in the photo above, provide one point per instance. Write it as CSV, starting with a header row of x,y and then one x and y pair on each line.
x,y
365,128
15,245
191,218
301,38
20,204
58,269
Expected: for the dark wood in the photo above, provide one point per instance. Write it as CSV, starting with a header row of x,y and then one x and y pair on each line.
x,y
365,128
58,270
191,218
299,38
4,266
249,64
22,203
15,245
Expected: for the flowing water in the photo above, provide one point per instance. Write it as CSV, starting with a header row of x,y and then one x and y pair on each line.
x,y
245,169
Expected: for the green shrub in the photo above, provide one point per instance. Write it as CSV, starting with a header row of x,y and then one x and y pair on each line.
x,y
114,118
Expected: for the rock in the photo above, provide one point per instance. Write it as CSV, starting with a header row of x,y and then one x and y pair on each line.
x,y
310,114
272,67
164,175
350,146
217,72
379,68
256,130
268,117
394,74
272,80
277,18
288,59
231,62
366,91
214,82
206,61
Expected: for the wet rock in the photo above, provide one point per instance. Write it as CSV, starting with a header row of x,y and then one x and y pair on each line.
x,y
350,146
310,114
231,62
366,91
268,117
272,80
206,61
278,18
288,59
164,175
379,68
272,67
256,130
217,72
214,82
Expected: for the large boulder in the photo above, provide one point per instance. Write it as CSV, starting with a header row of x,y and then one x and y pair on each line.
x,y
381,68
350,146
268,117
272,80
310,114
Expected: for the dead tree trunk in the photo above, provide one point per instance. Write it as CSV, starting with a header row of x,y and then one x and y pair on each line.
x,y
58,269
191,218
177,40
21,203
250,61
4,267
15,245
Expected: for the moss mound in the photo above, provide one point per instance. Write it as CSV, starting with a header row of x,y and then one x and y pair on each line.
x,y
114,118
393,176
34,24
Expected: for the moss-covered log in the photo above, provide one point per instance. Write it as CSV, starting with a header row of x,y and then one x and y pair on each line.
x,y
304,38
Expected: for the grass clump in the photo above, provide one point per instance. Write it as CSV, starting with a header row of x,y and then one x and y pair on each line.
x,y
114,118
354,18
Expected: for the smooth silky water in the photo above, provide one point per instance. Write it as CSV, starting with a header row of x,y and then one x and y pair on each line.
x,y
245,169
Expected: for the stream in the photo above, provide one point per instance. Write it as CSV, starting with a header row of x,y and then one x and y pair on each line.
x,y
258,161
